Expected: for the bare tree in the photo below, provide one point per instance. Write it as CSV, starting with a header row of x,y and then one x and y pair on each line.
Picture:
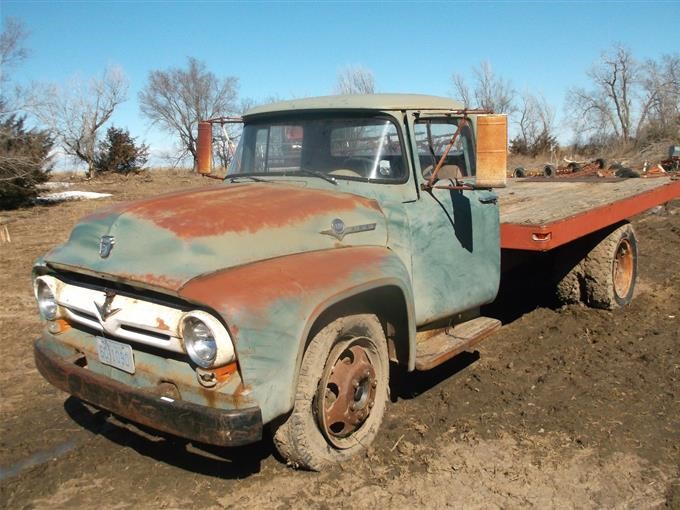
x,y
661,95
12,50
355,80
76,112
177,99
615,76
12,53
535,119
626,95
488,91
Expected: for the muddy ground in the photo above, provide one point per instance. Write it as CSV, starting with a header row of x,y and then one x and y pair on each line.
x,y
564,407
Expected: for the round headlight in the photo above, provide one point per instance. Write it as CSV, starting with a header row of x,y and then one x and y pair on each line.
x,y
200,342
206,340
47,303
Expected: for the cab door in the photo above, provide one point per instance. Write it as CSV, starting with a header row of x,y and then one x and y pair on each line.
x,y
455,234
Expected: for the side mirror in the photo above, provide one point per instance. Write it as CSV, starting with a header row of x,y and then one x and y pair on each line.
x,y
204,147
492,150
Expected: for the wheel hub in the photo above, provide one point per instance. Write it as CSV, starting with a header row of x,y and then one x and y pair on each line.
x,y
346,391
623,268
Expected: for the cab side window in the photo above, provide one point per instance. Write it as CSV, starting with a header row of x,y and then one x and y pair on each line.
x,y
432,138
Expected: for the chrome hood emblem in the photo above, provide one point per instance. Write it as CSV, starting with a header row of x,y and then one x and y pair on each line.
x,y
106,245
339,230
104,310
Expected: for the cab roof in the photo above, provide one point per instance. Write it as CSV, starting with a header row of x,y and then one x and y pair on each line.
x,y
359,102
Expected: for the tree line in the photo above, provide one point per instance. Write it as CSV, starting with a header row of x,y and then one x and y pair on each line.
x,y
628,102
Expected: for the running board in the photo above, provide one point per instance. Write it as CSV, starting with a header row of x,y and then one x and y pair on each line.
x,y
452,341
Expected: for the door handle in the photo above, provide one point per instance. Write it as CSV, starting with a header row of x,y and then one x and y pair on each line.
x,y
488,200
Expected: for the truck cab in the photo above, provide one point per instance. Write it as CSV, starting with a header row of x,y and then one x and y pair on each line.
x,y
350,232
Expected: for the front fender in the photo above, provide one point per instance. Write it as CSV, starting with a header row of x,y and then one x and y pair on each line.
x,y
271,305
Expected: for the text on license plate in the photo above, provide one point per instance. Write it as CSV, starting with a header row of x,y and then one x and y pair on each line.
x,y
116,354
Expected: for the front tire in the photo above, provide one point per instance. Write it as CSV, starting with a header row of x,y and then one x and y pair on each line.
x,y
341,394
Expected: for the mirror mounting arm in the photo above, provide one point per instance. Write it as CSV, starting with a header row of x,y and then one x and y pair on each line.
x,y
440,164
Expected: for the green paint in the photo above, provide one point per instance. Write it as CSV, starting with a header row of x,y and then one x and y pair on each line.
x,y
440,250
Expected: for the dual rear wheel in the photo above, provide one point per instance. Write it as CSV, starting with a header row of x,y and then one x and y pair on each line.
x,y
606,276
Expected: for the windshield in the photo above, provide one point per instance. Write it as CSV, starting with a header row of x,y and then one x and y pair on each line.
x,y
365,148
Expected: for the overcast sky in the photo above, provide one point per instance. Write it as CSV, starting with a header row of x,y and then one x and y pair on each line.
x,y
296,48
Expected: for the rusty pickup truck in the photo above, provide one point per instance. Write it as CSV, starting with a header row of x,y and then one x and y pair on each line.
x,y
350,232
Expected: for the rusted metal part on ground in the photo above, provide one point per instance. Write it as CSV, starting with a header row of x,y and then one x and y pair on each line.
x,y
575,170
191,421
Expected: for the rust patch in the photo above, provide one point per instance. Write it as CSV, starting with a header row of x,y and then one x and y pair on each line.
x,y
210,396
245,208
255,286
160,324
164,282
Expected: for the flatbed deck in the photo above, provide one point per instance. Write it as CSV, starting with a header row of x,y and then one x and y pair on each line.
x,y
541,214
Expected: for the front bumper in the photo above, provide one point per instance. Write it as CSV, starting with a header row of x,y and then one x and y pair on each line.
x,y
178,417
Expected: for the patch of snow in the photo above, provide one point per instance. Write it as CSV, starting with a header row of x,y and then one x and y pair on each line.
x,y
55,185
64,196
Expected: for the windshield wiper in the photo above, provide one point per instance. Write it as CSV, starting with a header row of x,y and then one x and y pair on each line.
x,y
318,174
233,178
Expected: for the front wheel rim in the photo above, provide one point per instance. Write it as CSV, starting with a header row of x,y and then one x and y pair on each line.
x,y
347,390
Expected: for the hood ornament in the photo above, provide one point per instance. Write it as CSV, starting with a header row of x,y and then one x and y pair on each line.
x,y
104,310
339,230
106,245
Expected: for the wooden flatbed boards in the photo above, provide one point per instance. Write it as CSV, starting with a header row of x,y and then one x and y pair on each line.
x,y
542,214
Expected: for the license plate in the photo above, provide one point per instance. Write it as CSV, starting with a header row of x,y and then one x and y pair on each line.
x,y
116,354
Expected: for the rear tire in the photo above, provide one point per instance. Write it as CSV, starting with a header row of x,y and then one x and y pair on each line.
x,y
568,270
610,270
568,289
549,171
341,394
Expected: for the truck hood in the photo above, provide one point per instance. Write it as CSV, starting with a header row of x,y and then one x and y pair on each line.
x,y
163,242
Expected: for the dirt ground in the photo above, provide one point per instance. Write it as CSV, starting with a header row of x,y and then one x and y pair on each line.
x,y
564,407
